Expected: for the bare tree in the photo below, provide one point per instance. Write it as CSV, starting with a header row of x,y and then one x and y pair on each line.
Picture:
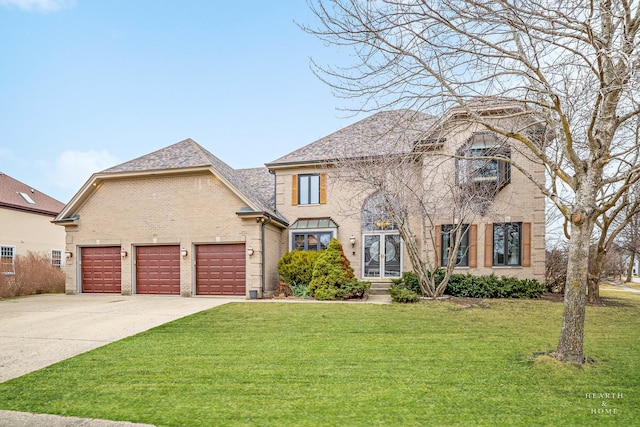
x,y
415,191
610,225
629,236
571,68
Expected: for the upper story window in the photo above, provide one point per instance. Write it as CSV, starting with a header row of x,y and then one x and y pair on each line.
x,y
7,259
56,258
449,233
309,189
479,162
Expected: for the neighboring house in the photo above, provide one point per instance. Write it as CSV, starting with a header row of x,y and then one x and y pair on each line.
x,y
25,218
181,221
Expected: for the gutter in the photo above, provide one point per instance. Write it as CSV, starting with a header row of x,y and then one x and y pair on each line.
x,y
70,220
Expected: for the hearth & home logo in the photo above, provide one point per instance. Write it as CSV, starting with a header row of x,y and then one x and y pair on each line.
x,y
606,403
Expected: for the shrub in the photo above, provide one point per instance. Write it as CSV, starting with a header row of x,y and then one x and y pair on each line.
x,y
466,285
297,267
331,274
353,289
410,281
400,293
325,293
34,274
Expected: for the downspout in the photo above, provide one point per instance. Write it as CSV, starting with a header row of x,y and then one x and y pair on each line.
x,y
275,209
263,273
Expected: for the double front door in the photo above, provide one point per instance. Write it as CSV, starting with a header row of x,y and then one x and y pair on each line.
x,y
382,255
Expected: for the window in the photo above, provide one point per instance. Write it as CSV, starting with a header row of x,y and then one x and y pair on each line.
x,y
375,215
481,164
507,238
311,241
7,257
308,189
56,258
448,242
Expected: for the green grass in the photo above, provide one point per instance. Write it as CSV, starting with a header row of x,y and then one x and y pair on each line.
x,y
432,363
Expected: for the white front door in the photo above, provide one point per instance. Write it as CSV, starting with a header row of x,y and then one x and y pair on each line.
x,y
382,256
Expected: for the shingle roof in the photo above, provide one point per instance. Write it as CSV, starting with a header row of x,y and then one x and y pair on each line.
x,y
257,185
386,132
10,197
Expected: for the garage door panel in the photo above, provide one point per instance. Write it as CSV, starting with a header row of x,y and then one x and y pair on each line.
x,y
221,269
158,270
101,269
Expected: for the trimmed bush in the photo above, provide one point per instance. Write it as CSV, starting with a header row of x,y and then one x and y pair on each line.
x,y
467,285
296,267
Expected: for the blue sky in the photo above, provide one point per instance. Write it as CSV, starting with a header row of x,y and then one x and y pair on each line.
x,y
87,84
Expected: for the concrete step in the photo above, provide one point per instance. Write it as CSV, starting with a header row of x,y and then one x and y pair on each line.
x,y
379,288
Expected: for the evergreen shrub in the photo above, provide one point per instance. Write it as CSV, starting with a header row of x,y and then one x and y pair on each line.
x,y
296,267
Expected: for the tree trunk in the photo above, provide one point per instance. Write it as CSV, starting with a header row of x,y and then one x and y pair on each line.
x,y
632,260
570,346
595,273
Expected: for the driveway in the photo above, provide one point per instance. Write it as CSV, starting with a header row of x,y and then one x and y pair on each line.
x,y
40,330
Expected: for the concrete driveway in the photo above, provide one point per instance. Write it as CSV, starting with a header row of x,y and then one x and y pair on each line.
x,y
40,330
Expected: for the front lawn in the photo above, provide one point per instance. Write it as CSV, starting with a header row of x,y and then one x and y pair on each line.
x,y
433,363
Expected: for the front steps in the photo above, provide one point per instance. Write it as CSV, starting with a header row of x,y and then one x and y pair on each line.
x,y
379,288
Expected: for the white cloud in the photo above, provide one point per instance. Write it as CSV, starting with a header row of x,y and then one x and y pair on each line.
x,y
73,168
38,5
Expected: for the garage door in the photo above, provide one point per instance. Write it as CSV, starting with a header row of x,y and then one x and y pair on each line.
x,y
158,270
221,269
100,269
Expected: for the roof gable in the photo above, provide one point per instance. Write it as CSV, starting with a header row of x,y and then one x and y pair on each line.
x,y
17,195
254,186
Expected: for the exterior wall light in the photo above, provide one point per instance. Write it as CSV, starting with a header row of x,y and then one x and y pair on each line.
x,y
68,254
352,240
250,251
123,253
184,252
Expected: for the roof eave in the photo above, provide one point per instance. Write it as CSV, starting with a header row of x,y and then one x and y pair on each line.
x,y
28,209
262,214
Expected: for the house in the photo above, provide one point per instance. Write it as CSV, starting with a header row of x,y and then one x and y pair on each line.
x,y
180,221
26,215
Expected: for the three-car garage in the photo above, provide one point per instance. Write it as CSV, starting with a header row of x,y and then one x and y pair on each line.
x,y
220,269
